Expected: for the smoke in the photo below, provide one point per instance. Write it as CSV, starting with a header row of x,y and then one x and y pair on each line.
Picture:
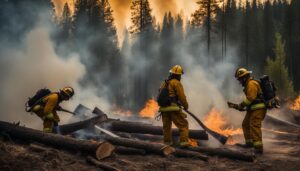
x,y
35,64
32,64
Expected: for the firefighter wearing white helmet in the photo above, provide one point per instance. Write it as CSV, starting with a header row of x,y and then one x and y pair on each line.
x,y
255,107
172,111
48,106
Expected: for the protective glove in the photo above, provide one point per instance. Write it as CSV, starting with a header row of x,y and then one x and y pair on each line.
x,y
241,107
232,105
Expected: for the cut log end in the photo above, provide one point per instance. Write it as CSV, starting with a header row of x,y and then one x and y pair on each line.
x,y
104,150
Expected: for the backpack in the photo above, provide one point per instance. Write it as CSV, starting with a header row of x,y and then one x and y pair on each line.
x,y
36,99
269,92
163,99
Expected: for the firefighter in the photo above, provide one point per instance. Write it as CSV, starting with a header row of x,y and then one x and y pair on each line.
x,y
48,106
173,112
256,110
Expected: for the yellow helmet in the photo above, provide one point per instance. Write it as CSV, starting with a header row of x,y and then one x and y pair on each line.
x,y
241,72
67,91
177,69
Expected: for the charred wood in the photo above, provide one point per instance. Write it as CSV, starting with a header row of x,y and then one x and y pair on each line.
x,y
98,149
222,152
129,151
69,128
136,127
156,148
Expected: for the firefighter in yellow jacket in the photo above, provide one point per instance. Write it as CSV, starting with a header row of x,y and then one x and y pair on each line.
x,y
173,112
256,110
48,106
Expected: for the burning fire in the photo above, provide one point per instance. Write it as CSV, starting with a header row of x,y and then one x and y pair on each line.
x,y
193,142
296,104
119,111
215,121
150,109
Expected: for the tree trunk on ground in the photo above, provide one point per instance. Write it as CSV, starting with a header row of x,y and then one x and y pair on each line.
x,y
156,148
69,128
129,151
98,149
222,152
146,137
136,127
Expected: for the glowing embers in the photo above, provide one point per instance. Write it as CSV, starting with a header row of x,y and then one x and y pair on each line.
x,y
150,109
216,122
193,142
296,104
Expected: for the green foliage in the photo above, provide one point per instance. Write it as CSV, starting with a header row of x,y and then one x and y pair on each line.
x,y
277,70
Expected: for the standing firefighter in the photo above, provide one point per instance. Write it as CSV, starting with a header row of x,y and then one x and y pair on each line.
x,y
47,106
255,107
171,94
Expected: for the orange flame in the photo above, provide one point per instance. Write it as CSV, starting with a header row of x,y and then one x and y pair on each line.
x,y
120,111
193,142
150,109
215,121
296,104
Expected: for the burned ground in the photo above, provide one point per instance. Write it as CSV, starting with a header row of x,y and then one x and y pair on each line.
x,y
281,153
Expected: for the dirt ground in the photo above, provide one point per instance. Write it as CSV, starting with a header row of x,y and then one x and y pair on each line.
x,y
281,153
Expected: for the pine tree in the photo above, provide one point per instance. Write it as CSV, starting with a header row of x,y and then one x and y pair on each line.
x,y
141,18
204,14
144,36
245,27
268,29
167,41
66,22
295,41
277,70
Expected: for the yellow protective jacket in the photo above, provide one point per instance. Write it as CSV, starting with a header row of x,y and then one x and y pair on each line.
x,y
176,91
253,94
47,108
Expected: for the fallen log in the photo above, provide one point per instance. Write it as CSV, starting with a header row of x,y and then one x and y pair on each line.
x,y
136,127
156,148
72,127
101,165
98,149
129,151
189,154
147,137
222,152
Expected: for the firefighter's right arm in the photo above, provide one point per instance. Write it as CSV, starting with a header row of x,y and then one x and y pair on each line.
x,y
180,94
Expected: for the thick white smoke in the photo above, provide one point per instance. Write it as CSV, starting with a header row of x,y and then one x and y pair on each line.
x,y
35,65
